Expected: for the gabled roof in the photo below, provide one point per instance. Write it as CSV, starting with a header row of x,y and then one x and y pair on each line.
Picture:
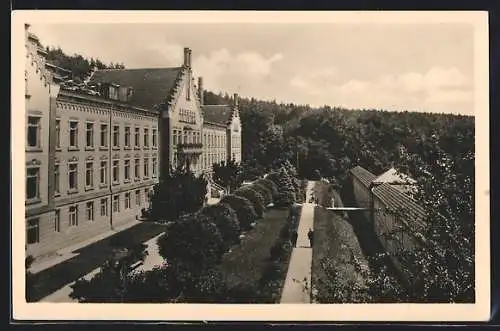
x,y
393,199
363,175
392,176
151,86
217,114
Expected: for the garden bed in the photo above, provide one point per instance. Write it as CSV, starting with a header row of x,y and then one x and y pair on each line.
x,y
339,268
247,266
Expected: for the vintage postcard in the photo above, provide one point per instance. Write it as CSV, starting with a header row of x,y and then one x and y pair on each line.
x,y
270,166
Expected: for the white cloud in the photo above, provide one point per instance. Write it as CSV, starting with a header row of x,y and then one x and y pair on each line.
x,y
224,71
438,88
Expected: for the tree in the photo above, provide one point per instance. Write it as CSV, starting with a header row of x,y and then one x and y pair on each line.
x,y
226,220
283,181
243,208
180,192
254,197
193,242
269,184
29,278
264,191
227,174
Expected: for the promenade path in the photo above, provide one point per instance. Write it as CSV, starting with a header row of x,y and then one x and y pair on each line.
x,y
298,279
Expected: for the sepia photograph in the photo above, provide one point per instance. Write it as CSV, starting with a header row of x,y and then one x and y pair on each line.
x,y
250,162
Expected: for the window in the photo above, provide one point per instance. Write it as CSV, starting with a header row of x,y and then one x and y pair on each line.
x,y
146,194
116,136
174,137
116,171
154,166
73,216
116,204
58,133
146,138
138,197
89,174
154,138
33,131
33,183
57,220
73,134
89,129
127,136
90,211
146,167
104,172
33,231
137,137
137,168
104,135
104,207
127,200
73,176
127,169
57,180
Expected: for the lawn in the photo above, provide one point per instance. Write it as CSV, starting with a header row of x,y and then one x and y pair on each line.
x,y
89,258
337,255
244,266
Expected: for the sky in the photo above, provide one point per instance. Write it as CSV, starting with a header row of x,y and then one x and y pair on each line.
x,y
416,67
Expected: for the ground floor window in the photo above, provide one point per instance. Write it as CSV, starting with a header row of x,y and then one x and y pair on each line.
x,y
104,207
73,216
33,231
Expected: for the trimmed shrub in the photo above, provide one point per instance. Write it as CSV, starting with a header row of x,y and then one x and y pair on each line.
x,y
285,199
265,192
269,184
193,241
226,220
243,208
255,198
279,249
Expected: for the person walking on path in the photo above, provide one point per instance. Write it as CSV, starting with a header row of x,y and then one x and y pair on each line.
x,y
310,235
294,238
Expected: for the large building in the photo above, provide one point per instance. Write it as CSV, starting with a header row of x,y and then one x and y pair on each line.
x,y
95,150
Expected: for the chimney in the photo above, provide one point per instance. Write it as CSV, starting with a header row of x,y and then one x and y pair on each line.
x,y
187,57
236,99
200,89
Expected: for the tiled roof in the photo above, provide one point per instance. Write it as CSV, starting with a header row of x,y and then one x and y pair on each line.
x,y
151,86
363,175
395,200
217,114
392,176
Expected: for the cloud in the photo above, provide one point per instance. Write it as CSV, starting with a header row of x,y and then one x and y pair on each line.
x,y
442,89
314,81
225,71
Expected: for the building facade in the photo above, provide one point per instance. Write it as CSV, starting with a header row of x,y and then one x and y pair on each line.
x,y
94,152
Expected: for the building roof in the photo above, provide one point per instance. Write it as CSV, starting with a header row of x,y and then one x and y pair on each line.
x,y
363,175
217,114
151,86
393,199
392,176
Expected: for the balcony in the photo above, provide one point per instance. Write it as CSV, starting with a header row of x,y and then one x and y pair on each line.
x,y
190,148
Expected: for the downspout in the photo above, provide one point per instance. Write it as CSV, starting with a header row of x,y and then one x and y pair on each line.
x,y
110,166
372,203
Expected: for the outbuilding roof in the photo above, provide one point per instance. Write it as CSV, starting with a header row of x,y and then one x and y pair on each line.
x,y
397,201
363,175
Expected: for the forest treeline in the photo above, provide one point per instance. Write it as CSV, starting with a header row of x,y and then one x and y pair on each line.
x,y
79,66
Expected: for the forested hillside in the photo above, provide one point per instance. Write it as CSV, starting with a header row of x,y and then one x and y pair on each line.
x,y
77,64
435,149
